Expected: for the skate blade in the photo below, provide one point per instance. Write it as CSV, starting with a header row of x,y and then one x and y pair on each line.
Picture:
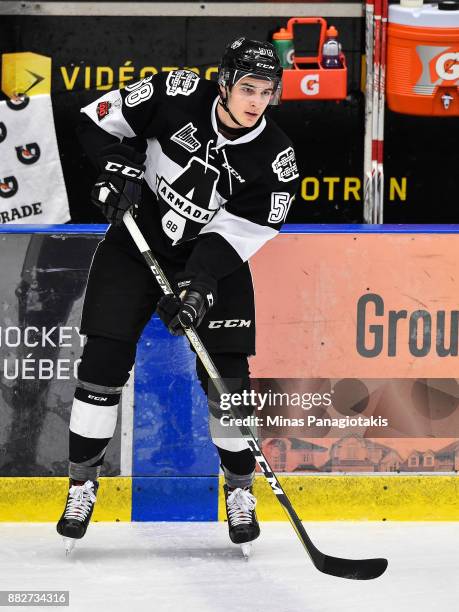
x,y
246,549
69,544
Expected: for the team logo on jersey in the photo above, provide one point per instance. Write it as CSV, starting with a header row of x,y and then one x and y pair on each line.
x,y
182,82
18,102
184,206
8,186
102,110
185,138
285,165
188,202
29,153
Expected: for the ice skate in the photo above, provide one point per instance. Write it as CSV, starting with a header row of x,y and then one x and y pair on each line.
x,y
242,519
78,511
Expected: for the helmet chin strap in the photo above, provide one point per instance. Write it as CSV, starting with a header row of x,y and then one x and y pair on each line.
x,y
224,103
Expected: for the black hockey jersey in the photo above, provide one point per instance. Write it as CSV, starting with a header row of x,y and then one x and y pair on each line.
x,y
216,201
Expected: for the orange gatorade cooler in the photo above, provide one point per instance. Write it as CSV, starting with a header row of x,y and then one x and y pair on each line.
x,y
423,59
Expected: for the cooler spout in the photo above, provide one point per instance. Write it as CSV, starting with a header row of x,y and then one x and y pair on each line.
x,y
447,98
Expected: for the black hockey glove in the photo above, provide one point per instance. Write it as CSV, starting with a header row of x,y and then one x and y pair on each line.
x,y
119,187
197,296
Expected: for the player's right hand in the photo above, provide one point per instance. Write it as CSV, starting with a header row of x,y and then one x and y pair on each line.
x,y
119,186
197,297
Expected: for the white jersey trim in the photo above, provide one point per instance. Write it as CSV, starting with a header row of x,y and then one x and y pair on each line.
x,y
245,236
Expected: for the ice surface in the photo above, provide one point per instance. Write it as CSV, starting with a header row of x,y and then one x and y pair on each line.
x,y
193,567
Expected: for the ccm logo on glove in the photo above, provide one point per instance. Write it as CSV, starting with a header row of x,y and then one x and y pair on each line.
x,y
119,186
124,170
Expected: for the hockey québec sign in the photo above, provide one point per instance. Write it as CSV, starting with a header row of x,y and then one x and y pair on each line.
x,y
40,347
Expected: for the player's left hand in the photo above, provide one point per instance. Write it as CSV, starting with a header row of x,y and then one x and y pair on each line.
x,y
197,296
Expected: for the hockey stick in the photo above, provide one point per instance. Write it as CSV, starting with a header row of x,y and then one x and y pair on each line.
x,y
357,569
369,42
376,109
381,100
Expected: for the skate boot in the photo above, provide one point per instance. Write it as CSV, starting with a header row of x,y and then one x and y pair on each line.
x,y
242,519
78,511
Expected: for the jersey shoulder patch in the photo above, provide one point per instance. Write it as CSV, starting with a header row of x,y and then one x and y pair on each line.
x,y
185,137
181,82
284,165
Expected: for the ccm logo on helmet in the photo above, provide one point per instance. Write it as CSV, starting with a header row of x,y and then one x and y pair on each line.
x,y
126,170
230,323
268,66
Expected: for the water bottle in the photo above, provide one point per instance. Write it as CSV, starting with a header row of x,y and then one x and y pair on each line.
x,y
283,43
331,50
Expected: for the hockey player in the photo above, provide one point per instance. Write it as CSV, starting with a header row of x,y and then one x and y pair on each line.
x,y
210,179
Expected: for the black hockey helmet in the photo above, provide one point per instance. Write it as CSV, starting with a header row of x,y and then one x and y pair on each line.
x,y
245,57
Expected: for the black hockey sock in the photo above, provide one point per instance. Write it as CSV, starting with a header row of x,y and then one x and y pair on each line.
x,y
86,456
238,467
241,462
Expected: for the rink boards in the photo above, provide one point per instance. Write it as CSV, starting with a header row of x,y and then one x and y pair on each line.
x,y
314,497
162,466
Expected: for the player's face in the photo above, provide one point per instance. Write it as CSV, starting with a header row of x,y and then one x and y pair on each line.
x,y
248,100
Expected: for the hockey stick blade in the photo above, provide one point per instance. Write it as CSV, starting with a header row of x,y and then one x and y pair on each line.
x,y
354,569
